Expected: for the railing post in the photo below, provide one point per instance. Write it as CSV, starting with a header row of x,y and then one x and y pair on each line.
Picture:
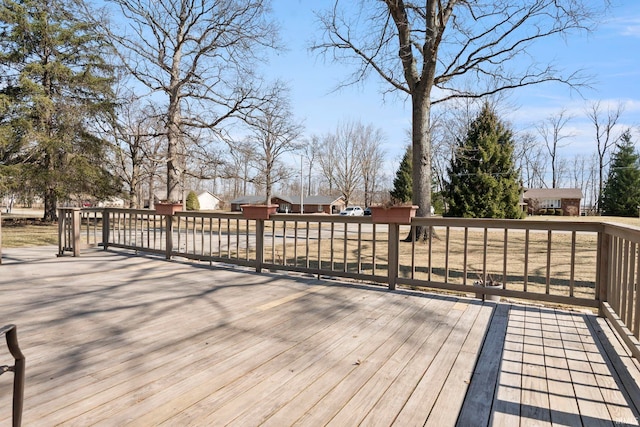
x,y
394,248
62,220
105,228
0,238
604,249
168,218
259,244
75,227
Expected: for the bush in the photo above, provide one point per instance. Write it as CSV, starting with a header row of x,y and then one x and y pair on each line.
x,y
193,204
542,211
559,212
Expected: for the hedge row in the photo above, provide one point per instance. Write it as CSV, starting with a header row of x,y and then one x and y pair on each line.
x,y
551,211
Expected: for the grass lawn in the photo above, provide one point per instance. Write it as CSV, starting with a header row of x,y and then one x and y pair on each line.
x,y
24,234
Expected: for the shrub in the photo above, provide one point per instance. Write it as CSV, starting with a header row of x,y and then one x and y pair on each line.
x,y
543,211
193,204
559,212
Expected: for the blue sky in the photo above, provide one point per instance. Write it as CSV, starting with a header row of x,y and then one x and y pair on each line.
x,y
611,55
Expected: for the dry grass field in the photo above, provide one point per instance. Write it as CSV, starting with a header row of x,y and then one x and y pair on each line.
x,y
22,234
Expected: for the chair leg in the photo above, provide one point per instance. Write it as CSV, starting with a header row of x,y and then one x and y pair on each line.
x,y
18,370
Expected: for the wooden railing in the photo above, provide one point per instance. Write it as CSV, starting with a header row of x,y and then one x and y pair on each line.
x,y
587,264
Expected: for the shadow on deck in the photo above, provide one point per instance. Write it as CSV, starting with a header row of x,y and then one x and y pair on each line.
x,y
117,339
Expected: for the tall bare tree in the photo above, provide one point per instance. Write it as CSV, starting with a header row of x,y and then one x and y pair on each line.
x,y
201,55
311,151
606,135
237,168
134,133
416,47
275,132
551,130
530,160
370,140
341,158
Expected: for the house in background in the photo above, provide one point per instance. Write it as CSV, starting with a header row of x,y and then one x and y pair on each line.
x,y
293,204
550,201
208,201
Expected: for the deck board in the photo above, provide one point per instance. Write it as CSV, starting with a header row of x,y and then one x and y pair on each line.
x,y
116,339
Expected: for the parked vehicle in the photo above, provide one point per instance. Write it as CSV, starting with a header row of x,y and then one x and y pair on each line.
x,y
352,211
367,211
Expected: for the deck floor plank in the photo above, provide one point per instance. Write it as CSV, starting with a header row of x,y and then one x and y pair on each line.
x,y
562,398
482,386
372,393
401,388
590,399
251,347
452,395
345,371
420,404
116,339
271,390
505,410
534,404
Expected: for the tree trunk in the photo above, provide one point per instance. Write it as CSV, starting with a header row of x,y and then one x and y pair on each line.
x,y
134,202
173,137
50,208
421,151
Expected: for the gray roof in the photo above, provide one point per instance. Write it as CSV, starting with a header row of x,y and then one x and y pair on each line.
x,y
311,200
247,200
553,193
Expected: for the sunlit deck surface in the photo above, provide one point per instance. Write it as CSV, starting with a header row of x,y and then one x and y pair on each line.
x,y
117,339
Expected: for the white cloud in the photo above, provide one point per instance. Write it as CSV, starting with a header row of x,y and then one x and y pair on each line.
x,y
628,26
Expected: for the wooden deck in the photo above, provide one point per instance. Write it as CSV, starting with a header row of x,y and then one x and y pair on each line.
x,y
113,339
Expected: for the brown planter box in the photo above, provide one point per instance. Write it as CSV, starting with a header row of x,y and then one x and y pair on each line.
x,y
393,214
168,208
258,211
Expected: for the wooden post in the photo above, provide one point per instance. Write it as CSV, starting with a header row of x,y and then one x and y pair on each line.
x,y
105,228
0,238
602,286
394,249
169,235
62,219
75,226
259,245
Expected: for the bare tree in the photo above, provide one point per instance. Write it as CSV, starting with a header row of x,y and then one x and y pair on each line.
x,y
201,55
530,160
237,168
341,158
370,140
552,134
275,132
311,152
604,123
415,48
133,135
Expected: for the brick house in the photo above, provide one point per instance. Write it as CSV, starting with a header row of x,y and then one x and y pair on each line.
x,y
549,201
292,204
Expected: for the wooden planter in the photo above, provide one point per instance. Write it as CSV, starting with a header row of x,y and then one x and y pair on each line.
x,y
258,211
393,214
168,208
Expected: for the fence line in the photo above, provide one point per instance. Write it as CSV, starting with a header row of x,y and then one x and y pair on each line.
x,y
578,263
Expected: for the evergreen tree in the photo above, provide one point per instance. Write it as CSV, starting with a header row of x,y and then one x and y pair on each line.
x,y
402,183
621,193
483,178
193,204
54,85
